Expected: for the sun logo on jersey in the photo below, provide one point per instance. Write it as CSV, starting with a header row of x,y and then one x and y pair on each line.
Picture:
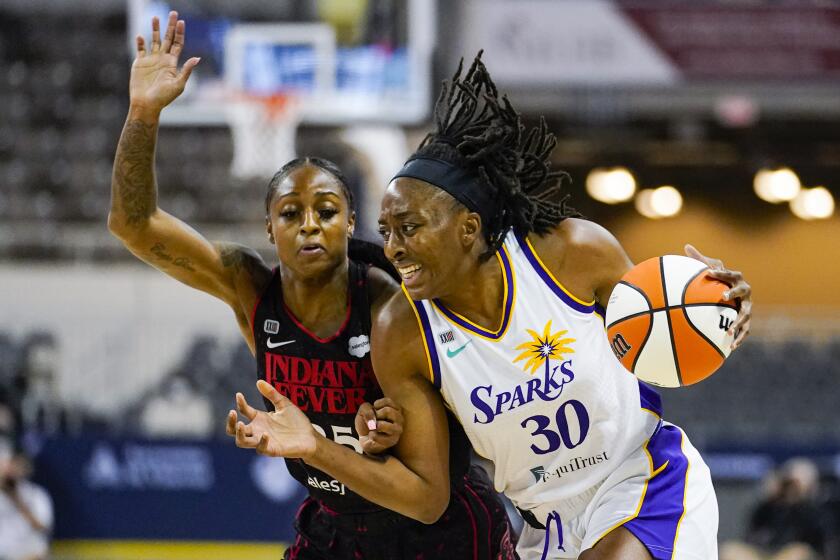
x,y
542,348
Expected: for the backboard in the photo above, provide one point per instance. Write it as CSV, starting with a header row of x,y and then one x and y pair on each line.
x,y
347,61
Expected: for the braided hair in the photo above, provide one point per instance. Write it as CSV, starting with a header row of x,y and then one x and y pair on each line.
x,y
477,129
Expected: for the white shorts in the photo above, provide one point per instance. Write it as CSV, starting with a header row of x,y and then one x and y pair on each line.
x,y
662,494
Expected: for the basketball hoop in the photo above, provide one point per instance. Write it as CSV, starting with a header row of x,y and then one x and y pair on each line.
x,y
264,130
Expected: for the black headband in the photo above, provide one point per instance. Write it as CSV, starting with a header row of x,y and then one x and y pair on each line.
x,y
464,185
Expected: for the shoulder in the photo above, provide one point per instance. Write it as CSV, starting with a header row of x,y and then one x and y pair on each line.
x,y
397,347
584,252
249,276
397,318
382,287
245,264
578,238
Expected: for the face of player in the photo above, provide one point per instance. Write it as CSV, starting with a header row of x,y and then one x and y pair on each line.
x,y
310,221
427,236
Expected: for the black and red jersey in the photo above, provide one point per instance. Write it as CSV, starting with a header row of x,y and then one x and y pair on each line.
x,y
328,379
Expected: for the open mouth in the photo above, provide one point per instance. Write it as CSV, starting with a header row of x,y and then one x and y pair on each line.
x,y
409,272
311,249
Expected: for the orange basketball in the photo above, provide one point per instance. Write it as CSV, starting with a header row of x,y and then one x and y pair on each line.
x,y
667,321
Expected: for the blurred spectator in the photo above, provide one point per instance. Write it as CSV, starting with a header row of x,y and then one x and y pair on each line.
x,y
789,523
179,410
40,407
26,511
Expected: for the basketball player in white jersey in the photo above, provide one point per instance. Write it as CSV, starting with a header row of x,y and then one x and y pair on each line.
x,y
505,289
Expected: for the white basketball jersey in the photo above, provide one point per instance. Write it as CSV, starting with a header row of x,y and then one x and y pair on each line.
x,y
542,397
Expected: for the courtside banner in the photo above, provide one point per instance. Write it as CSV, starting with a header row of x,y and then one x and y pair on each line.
x,y
597,42
153,490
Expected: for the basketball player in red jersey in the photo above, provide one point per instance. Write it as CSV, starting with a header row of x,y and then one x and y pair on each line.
x,y
308,323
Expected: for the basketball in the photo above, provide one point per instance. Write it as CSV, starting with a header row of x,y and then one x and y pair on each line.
x,y
667,321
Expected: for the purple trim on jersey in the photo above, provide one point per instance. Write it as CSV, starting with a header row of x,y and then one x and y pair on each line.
x,y
508,269
549,281
650,399
430,342
658,521
599,309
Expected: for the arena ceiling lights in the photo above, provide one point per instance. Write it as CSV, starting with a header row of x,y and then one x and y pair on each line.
x,y
783,185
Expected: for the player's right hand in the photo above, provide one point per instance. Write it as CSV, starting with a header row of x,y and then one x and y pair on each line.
x,y
286,432
155,79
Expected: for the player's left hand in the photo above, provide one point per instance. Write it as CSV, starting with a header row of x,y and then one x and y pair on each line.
x,y
739,291
379,425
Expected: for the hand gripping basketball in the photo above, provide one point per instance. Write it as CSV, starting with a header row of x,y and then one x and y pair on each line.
x,y
740,293
672,320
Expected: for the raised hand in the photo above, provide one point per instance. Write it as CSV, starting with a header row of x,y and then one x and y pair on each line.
x,y
379,425
155,78
739,291
286,432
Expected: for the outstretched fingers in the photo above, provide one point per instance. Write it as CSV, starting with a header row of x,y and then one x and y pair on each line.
x,y
178,39
141,46
230,423
155,34
244,408
279,401
185,72
169,35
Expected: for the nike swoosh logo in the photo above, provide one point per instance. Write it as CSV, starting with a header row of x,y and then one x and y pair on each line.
x,y
452,353
276,344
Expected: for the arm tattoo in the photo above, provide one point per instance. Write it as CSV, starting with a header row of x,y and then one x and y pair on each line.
x,y
238,258
232,257
159,251
134,178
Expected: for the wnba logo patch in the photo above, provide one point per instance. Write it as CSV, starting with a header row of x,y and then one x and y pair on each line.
x,y
446,337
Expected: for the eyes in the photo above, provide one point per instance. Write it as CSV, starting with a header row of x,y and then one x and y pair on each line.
x,y
324,214
406,228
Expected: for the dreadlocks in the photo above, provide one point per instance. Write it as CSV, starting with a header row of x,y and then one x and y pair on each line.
x,y
477,129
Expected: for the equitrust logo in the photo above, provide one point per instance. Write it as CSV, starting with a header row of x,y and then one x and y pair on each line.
x,y
541,474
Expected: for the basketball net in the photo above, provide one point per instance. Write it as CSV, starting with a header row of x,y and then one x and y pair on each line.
x,y
264,130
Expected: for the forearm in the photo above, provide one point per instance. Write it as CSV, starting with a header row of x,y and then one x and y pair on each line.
x,y
384,480
133,186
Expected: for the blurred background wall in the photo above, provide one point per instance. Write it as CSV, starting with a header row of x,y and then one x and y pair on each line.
x,y
117,378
